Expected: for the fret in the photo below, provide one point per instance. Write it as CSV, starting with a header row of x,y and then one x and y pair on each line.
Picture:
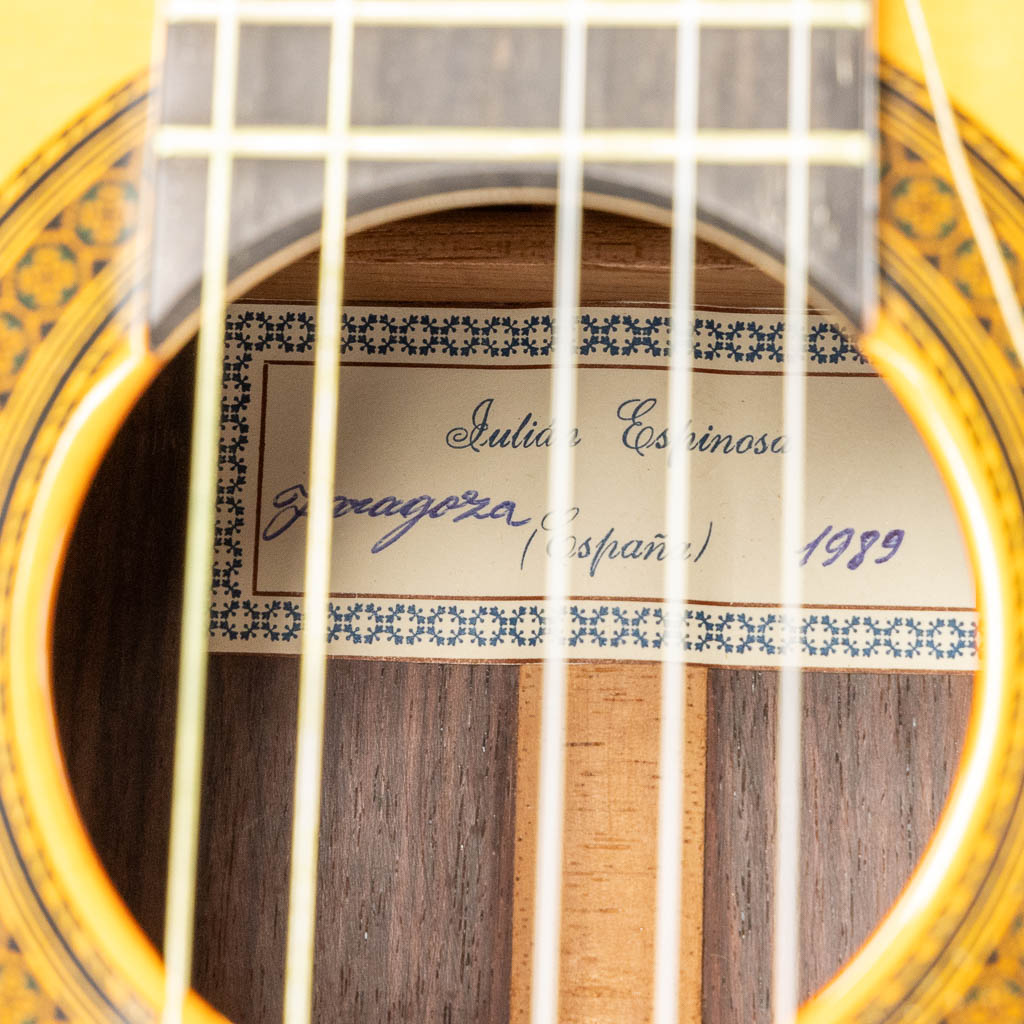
x,y
850,148
854,14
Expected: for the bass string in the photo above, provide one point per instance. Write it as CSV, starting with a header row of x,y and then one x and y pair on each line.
x,y
198,576
300,949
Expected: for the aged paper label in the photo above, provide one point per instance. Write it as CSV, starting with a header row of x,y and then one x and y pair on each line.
x,y
442,532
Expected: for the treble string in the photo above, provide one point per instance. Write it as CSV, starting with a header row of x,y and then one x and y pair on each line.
x,y
298,990
785,964
671,849
195,625
551,790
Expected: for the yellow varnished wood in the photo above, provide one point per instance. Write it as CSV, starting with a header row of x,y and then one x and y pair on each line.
x,y
60,59
978,47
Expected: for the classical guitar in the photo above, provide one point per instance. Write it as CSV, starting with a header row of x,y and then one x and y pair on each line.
x,y
398,801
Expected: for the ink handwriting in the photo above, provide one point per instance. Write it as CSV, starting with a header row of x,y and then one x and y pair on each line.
x,y
837,545
292,502
640,435
610,545
480,434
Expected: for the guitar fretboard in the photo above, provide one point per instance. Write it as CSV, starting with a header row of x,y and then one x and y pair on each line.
x,y
458,102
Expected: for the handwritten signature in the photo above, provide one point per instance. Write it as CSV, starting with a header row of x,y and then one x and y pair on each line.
x,y
526,435
292,504
610,545
639,435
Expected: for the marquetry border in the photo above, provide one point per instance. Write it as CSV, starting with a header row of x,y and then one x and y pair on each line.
x,y
70,367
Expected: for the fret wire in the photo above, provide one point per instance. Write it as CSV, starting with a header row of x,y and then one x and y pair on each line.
x,y
788,749
547,904
198,573
981,225
513,145
850,14
298,993
671,848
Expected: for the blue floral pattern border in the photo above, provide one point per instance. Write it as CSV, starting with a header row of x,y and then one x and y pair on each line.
x,y
371,627
744,342
512,629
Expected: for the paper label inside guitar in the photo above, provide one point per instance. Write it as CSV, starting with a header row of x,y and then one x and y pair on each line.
x,y
442,531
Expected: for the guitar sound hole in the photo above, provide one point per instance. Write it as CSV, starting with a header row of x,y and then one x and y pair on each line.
x,y
418,893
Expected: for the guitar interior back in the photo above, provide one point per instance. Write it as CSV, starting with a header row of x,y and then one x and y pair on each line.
x,y
425,838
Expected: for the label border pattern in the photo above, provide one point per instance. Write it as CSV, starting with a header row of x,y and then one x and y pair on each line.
x,y
596,629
